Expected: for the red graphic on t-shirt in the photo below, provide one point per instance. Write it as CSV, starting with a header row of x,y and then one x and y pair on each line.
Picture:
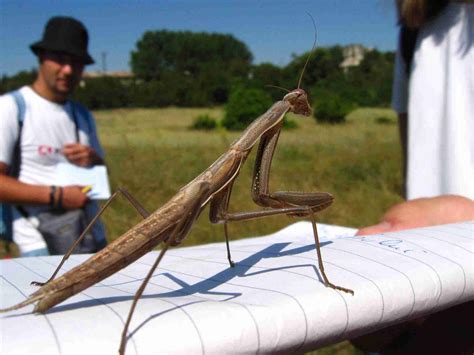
x,y
45,150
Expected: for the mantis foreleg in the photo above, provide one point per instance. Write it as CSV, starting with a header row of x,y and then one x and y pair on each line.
x,y
320,258
281,202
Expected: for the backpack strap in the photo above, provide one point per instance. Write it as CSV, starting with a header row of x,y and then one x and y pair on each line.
x,y
16,160
6,227
74,117
21,104
78,111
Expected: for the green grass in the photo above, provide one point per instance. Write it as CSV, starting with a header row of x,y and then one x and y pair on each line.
x,y
152,153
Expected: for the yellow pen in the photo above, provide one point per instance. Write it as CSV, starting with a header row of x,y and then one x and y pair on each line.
x,y
86,189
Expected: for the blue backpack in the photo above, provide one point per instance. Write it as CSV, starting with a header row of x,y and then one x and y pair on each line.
x,y
6,222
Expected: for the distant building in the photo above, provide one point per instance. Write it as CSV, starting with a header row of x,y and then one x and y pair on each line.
x,y
125,76
353,55
113,74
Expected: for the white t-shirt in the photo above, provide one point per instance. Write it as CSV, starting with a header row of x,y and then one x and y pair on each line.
x,y
439,99
47,127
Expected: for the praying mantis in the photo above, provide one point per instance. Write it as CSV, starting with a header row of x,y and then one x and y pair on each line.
x,y
172,222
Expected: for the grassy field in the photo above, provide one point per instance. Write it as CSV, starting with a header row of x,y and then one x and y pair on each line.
x,y
152,153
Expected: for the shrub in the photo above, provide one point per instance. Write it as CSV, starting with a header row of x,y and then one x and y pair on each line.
x,y
204,122
244,106
289,124
102,93
331,108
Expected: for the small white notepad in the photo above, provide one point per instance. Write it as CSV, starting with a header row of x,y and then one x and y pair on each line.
x,y
272,301
96,176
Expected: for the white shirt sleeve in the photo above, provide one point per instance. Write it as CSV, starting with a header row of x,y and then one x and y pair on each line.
x,y
400,84
8,128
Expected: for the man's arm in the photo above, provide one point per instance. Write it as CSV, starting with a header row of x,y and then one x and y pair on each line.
x,y
17,192
14,191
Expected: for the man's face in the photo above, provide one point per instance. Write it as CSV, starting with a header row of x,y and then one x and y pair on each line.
x,y
61,72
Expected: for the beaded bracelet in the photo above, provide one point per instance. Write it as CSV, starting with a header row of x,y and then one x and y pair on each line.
x,y
60,198
52,194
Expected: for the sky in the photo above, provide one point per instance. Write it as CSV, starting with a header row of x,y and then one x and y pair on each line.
x,y
273,30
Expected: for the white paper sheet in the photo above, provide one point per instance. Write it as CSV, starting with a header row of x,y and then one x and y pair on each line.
x,y
96,176
273,301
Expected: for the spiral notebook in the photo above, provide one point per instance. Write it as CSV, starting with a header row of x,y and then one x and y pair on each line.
x,y
272,301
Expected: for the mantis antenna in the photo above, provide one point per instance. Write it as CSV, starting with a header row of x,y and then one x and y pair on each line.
x,y
278,87
312,49
307,59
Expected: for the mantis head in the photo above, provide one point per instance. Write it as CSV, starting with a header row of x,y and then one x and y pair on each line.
x,y
299,102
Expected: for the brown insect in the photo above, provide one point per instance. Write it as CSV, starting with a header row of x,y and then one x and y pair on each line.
x,y
171,223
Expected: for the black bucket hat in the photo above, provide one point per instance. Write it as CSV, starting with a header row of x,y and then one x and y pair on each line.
x,y
67,35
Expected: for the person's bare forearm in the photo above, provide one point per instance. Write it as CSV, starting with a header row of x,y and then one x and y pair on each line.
x,y
16,192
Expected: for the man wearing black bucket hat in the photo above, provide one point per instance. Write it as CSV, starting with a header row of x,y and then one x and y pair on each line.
x,y
62,53
41,127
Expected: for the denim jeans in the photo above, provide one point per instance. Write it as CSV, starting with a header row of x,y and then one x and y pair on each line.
x,y
36,252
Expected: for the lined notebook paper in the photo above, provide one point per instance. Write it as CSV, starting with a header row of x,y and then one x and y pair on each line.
x,y
273,301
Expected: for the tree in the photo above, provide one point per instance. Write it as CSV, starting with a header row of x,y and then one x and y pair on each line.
x,y
267,74
204,63
17,81
103,92
323,63
244,106
371,81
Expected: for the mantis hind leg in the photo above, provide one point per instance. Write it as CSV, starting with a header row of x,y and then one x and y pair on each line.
x,y
179,232
143,212
218,213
